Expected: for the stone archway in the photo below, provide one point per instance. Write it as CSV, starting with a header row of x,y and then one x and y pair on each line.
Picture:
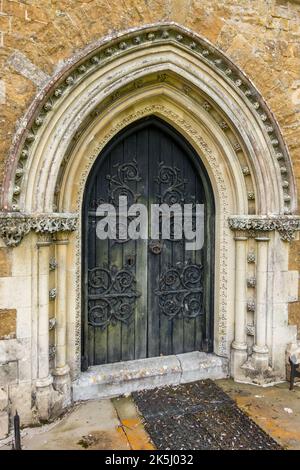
x,y
166,71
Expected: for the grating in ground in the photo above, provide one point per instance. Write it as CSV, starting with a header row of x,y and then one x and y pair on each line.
x,y
199,416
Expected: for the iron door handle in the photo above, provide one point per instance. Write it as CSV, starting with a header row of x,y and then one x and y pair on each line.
x,y
155,246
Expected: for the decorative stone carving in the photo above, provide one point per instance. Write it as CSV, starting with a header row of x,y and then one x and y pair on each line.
x,y
246,171
52,323
251,195
237,146
52,264
52,351
250,330
162,77
251,257
285,225
135,39
52,293
206,106
12,230
251,305
13,227
251,282
223,125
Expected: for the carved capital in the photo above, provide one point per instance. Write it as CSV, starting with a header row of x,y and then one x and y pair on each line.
x,y
12,229
256,225
14,226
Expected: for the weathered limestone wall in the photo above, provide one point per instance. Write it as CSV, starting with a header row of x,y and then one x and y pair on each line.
x,y
261,36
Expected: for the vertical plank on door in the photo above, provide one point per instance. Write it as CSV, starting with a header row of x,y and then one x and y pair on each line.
x,y
101,257
115,264
165,333
153,260
178,258
141,312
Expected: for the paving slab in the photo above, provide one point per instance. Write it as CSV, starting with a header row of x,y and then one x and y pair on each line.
x,y
92,425
116,424
275,409
132,424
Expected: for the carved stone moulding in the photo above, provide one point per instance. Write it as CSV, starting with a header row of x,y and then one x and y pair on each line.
x,y
14,226
250,305
52,264
251,257
52,293
251,282
287,226
113,47
250,330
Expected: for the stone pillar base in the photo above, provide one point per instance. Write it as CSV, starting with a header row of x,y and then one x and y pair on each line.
x,y
260,359
238,358
252,373
62,385
43,397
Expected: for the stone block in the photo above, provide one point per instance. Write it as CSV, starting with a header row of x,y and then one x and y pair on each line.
x,y
294,315
43,402
5,262
21,397
12,349
13,8
15,292
3,399
8,323
4,424
8,373
125,377
199,366
4,23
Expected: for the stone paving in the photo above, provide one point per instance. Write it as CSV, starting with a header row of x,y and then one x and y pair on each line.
x,y
102,424
275,409
115,423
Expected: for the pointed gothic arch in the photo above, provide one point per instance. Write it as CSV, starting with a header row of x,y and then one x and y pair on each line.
x,y
170,72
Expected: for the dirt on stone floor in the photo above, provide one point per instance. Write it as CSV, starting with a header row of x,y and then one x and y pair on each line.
x,y
109,424
115,423
275,409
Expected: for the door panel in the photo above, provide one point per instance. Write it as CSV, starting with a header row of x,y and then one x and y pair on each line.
x,y
145,298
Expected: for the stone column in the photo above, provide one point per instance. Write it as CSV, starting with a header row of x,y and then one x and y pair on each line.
x,y
239,345
260,348
45,379
61,372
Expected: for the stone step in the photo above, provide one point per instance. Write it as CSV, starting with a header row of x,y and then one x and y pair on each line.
x,y
123,378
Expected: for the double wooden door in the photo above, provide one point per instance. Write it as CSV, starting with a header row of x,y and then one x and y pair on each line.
x,y
146,298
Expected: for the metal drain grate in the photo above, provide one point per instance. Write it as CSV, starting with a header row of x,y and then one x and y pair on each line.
x,y
199,416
